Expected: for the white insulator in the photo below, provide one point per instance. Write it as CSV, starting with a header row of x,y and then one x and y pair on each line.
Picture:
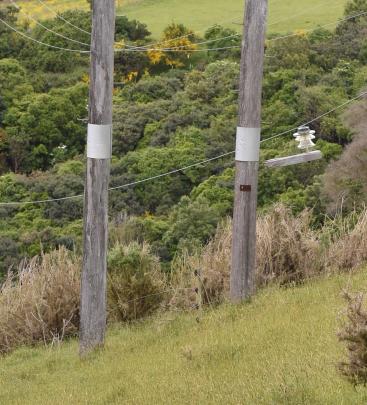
x,y
304,136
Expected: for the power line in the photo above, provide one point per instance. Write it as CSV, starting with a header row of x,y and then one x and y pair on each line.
x,y
191,33
116,50
350,17
183,36
319,117
128,45
194,43
145,47
203,162
62,18
179,50
175,49
131,48
40,42
46,28
180,47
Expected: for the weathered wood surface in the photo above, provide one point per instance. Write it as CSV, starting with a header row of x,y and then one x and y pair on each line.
x,y
93,283
245,202
294,160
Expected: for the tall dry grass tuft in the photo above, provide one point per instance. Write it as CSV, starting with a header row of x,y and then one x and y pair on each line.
x,y
287,251
287,247
40,302
349,249
212,265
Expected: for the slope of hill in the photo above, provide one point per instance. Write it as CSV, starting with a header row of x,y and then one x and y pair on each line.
x,y
199,15
280,349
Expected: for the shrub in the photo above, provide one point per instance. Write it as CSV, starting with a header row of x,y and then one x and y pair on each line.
x,y
135,282
40,302
354,335
344,180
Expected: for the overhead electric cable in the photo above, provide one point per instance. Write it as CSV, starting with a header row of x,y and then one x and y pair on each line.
x,y
319,117
184,46
46,28
350,17
179,50
62,18
153,44
181,47
40,42
203,162
85,51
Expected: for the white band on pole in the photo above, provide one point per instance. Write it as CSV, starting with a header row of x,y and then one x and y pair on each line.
x,y
99,141
248,144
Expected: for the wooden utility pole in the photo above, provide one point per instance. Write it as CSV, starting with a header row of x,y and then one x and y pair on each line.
x,y
93,283
247,150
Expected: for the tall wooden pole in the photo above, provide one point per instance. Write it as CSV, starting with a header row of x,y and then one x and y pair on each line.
x,y
247,151
93,283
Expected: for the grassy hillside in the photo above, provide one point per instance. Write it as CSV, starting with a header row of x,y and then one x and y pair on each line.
x,y
279,349
199,15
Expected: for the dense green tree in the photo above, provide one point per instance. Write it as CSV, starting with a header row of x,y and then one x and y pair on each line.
x,y
40,123
222,38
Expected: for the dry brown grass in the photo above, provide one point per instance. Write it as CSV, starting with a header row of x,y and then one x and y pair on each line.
x,y
348,249
40,302
207,270
287,251
287,247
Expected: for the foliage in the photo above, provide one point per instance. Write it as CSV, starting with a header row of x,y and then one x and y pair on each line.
x,y
43,58
132,30
353,335
343,182
40,124
174,48
135,282
222,38
167,121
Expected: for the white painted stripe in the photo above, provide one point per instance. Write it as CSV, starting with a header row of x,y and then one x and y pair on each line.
x,y
248,144
99,142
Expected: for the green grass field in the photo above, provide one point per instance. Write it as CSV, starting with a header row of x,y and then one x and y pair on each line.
x,y
284,15
280,349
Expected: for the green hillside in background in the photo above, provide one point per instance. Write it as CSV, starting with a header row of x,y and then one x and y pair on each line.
x,y
281,348
284,15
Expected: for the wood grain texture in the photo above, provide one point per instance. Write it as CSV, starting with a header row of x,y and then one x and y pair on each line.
x,y
93,283
245,202
294,160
